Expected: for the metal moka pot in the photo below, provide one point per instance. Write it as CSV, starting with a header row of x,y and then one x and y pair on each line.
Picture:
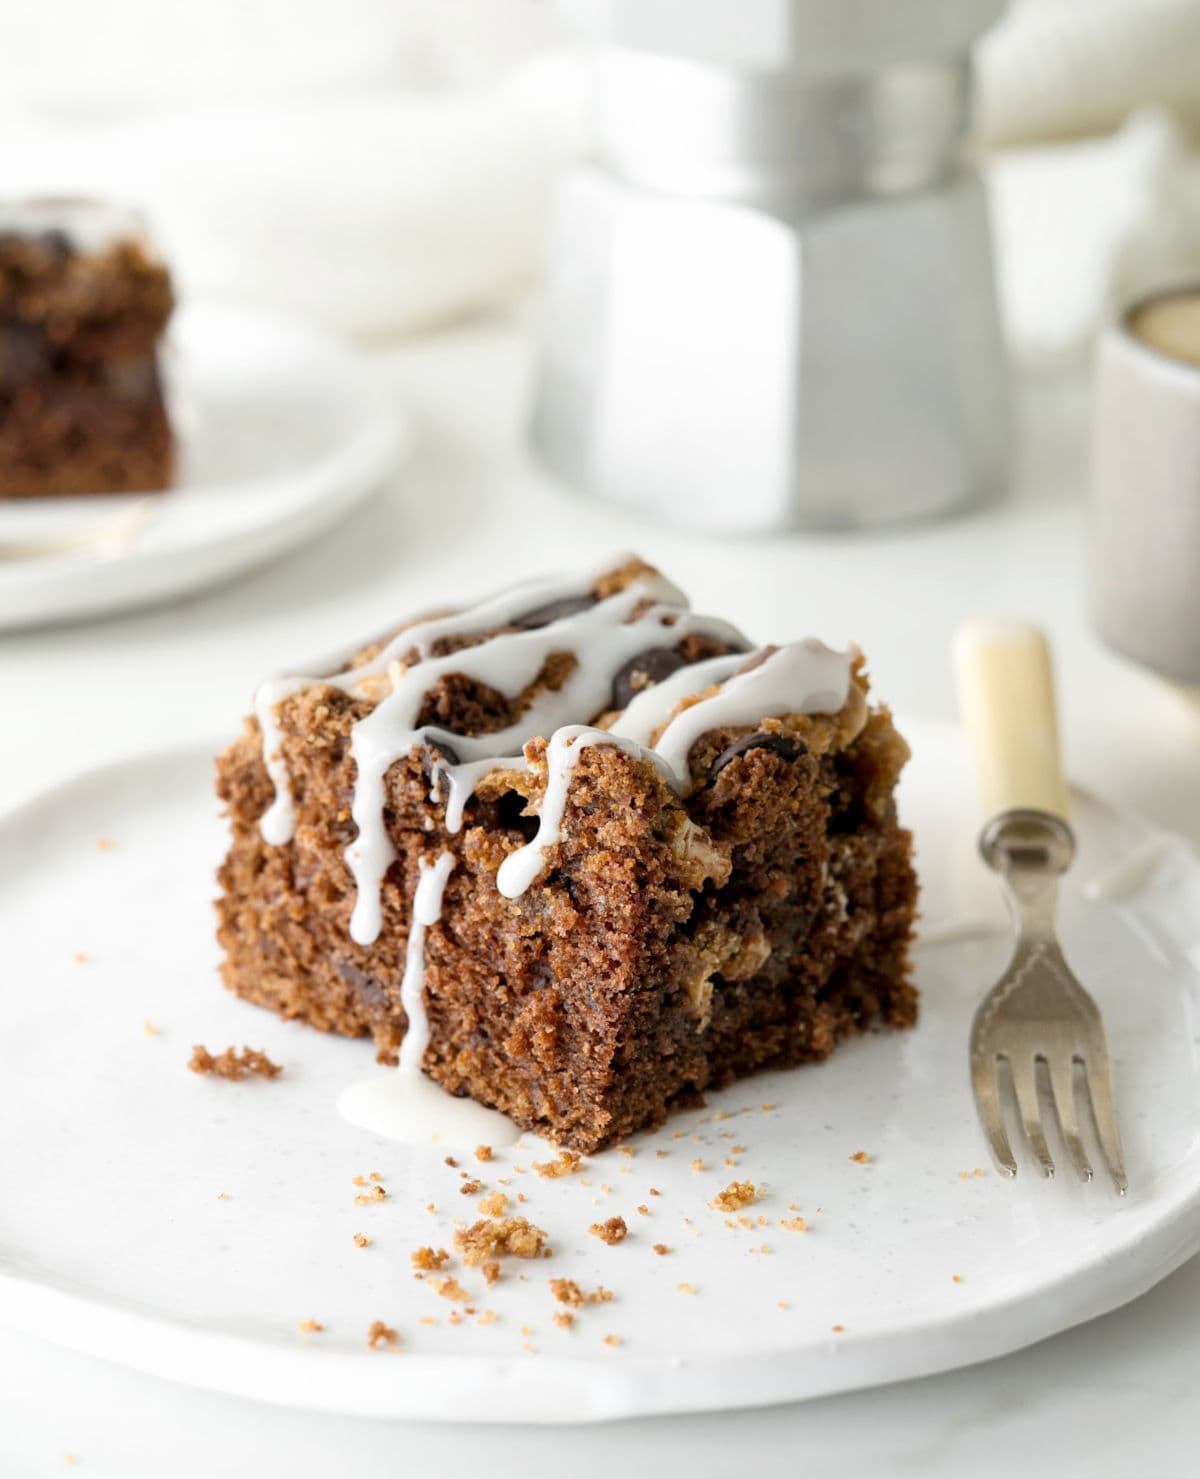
x,y
770,299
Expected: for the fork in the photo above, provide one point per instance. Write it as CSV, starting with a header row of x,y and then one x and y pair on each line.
x,y
1038,1027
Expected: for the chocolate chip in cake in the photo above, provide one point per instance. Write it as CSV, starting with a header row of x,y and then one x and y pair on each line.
x,y
24,352
762,739
644,671
438,749
542,616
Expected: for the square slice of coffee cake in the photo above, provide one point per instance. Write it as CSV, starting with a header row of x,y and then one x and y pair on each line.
x,y
575,852
84,301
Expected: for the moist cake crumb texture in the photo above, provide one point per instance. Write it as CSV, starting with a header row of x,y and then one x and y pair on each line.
x,y
626,856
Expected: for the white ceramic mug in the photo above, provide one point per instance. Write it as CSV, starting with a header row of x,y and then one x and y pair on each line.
x,y
1145,507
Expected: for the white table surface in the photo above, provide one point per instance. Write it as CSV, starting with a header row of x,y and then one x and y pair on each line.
x,y
471,512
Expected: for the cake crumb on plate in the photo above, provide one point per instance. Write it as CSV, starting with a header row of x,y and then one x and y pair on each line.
x,y
488,1238
567,1163
567,1291
450,1288
611,1231
736,1194
233,1065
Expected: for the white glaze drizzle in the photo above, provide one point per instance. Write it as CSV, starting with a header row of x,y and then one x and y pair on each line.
x,y
649,710
603,637
460,782
426,910
278,823
519,869
801,678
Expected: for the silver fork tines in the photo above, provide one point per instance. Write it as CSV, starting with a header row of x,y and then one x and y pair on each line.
x,y
1038,1020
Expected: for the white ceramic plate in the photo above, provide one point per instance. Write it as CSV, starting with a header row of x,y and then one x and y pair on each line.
x,y
114,1240
282,432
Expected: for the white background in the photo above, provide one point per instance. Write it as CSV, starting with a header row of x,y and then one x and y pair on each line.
x,y
290,152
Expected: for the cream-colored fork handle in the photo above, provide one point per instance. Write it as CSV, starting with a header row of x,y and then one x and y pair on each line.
x,y
1006,700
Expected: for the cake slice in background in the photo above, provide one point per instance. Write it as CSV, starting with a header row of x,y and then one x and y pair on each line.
x,y
576,852
84,302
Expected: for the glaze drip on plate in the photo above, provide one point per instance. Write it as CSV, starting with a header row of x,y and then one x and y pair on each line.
x,y
404,1104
